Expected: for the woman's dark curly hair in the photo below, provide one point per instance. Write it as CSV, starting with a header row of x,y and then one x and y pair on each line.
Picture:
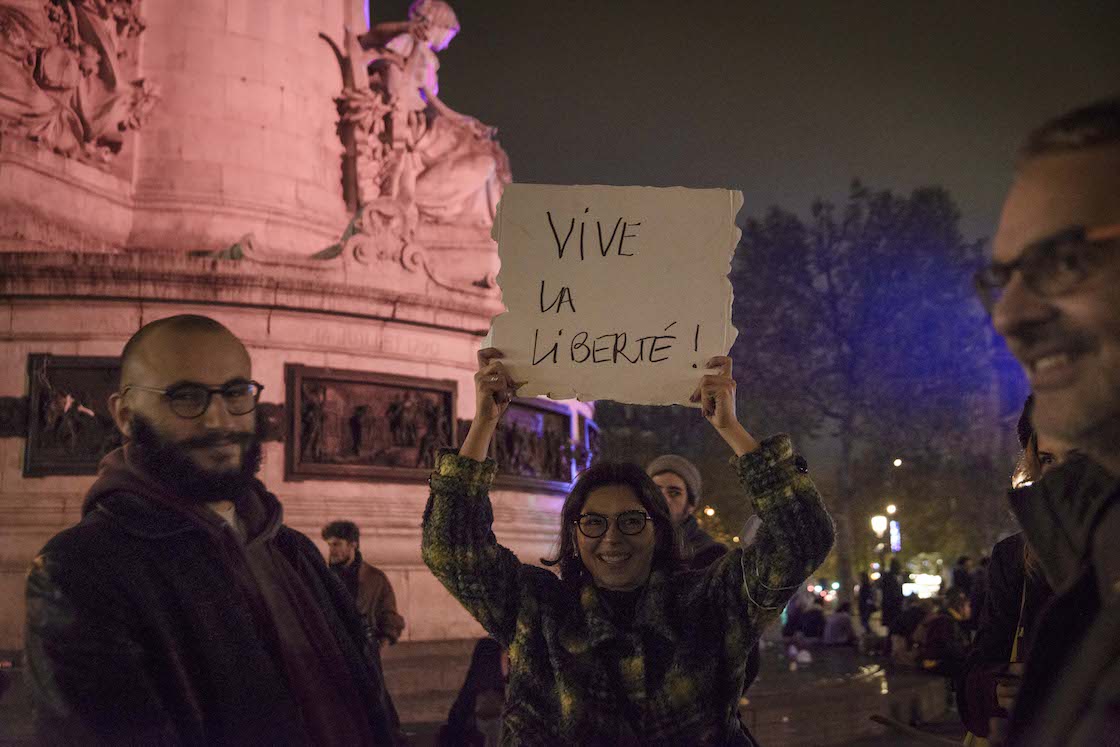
x,y
668,552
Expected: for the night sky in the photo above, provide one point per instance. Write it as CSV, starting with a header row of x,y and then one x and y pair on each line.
x,y
785,101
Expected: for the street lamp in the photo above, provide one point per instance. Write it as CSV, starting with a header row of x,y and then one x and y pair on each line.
x,y
891,509
709,511
897,462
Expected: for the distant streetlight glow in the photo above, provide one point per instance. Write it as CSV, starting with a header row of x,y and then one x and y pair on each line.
x,y
891,509
897,462
879,525
709,511
835,585
735,540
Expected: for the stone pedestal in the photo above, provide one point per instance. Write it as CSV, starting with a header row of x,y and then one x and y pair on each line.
x,y
217,188
85,304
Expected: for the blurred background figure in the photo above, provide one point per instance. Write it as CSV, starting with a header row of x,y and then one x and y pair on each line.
x,y
475,716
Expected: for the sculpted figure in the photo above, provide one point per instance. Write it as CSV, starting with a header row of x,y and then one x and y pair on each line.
x,y
61,77
409,156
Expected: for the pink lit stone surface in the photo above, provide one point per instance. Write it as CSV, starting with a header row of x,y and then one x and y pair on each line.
x,y
242,148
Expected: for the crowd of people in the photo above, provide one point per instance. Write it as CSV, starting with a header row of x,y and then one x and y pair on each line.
x,y
182,610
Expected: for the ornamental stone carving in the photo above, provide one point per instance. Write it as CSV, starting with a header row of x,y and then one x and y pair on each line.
x,y
63,75
402,143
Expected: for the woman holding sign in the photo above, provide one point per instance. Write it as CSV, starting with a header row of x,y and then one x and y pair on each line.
x,y
624,647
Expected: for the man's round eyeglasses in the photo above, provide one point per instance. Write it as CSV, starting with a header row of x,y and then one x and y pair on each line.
x,y
596,525
1051,266
192,400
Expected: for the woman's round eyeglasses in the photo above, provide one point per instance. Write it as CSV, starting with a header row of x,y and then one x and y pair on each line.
x,y
594,526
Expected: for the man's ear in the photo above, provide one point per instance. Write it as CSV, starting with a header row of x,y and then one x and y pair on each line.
x,y
122,413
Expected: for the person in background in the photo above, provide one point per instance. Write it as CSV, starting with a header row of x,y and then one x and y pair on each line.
x,y
813,620
681,484
866,601
475,716
1017,592
942,639
369,586
838,629
962,574
904,646
890,587
979,590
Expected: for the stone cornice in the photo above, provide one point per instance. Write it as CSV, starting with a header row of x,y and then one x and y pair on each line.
x,y
386,291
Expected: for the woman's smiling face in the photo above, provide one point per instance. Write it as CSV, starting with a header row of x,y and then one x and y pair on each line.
x,y
616,561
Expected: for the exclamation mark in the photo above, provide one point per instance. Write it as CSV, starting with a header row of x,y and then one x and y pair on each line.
x,y
696,342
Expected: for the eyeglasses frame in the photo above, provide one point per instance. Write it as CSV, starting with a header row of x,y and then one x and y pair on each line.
x,y
611,521
986,290
210,392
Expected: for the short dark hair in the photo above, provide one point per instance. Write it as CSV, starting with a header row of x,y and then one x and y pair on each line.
x,y
1088,126
669,549
343,530
177,323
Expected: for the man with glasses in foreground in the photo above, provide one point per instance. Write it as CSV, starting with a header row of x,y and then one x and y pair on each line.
x,y
180,609
1053,291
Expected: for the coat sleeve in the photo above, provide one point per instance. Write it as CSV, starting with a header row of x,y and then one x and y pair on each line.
x,y
390,624
85,665
461,550
750,587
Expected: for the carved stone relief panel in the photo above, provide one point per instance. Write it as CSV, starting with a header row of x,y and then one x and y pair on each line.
x,y
65,75
355,424
69,426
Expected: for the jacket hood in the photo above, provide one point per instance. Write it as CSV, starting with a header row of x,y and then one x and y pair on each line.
x,y
1059,513
143,505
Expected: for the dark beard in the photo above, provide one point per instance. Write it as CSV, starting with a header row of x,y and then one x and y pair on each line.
x,y
170,463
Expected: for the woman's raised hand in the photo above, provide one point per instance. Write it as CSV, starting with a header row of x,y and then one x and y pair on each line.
x,y
716,395
494,388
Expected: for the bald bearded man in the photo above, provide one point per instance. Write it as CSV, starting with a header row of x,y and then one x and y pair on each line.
x,y
180,609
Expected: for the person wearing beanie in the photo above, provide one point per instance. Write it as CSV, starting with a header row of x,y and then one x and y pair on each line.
x,y
681,485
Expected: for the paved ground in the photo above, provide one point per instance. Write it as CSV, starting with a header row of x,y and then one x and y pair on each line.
x,y
15,721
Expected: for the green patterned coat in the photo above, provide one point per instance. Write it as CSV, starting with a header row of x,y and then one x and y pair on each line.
x,y
676,675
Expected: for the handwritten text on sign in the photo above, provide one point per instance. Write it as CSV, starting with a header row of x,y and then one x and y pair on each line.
x,y
614,292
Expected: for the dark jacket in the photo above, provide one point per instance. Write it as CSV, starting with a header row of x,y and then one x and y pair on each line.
x,y
704,550
1005,608
1070,693
150,622
676,675
891,590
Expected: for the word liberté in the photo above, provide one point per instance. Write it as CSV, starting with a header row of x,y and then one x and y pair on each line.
x,y
611,347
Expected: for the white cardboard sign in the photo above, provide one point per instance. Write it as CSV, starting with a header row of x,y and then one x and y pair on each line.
x,y
614,292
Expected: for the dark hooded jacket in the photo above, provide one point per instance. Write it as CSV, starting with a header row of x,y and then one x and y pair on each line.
x,y
1015,598
155,622
1070,694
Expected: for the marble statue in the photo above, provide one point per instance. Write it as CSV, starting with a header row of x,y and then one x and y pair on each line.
x,y
410,156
